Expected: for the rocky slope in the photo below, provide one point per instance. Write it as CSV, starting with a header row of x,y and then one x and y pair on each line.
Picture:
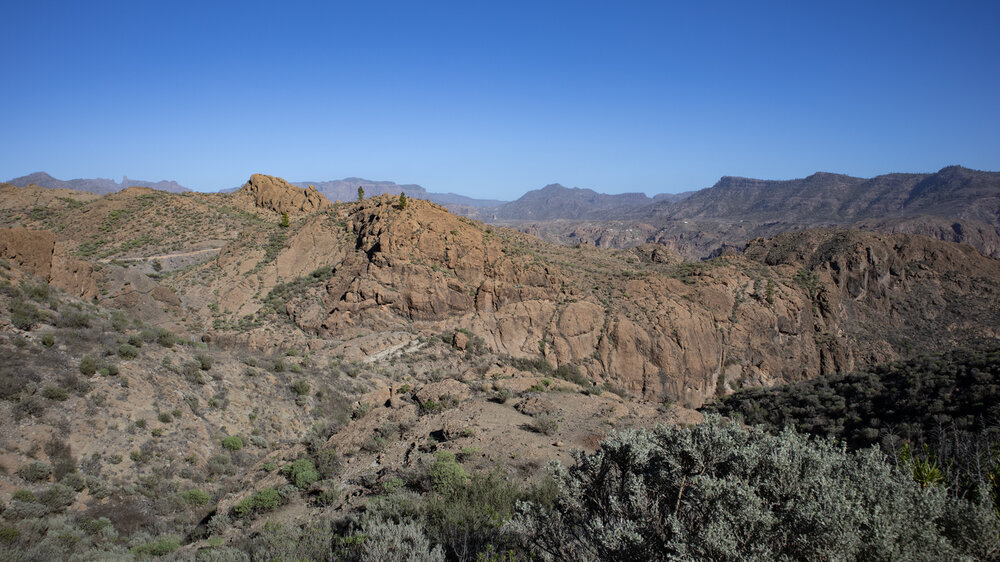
x,y
140,332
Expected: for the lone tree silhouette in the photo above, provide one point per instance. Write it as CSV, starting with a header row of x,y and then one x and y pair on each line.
x,y
361,193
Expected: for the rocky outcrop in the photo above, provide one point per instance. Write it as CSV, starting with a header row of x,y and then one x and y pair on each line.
x,y
794,307
39,254
275,194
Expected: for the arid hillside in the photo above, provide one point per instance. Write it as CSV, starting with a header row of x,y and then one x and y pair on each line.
x,y
156,343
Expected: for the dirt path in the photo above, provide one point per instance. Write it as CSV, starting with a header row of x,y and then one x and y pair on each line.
x,y
163,256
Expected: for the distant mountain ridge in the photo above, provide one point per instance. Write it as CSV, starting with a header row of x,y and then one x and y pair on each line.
x,y
347,190
555,201
953,192
100,186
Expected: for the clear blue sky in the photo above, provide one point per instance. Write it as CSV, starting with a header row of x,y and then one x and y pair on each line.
x,y
491,99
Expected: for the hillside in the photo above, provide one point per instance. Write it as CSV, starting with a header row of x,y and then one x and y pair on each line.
x,y
164,343
937,412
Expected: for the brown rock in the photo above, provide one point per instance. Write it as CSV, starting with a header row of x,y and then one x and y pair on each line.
x,y
39,254
275,194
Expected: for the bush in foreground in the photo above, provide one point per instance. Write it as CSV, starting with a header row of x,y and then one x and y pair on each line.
x,y
717,491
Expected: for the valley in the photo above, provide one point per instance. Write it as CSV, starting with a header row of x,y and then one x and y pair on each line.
x,y
202,373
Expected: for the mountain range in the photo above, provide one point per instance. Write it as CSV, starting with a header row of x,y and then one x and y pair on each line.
x,y
955,204
100,186
184,373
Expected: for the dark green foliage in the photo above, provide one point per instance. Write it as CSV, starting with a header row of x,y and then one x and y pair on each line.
x,y
163,337
61,455
233,443
196,496
302,473
24,315
57,497
327,463
295,290
446,474
719,492
35,471
159,547
300,387
24,495
537,365
37,292
571,373
70,317
264,500
53,392
285,223
127,351
949,402
88,365
48,340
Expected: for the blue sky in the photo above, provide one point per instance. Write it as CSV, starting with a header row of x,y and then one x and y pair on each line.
x,y
491,99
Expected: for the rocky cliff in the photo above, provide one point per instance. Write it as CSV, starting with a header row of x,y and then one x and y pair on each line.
x,y
655,328
276,194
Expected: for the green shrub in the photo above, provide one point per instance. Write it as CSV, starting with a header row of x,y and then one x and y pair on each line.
x,y
57,497
127,351
73,318
264,500
53,392
24,315
35,471
717,491
23,495
385,539
165,417
300,387
233,443
204,361
196,496
88,365
302,473
159,547
48,340
37,293
119,320
446,474
9,535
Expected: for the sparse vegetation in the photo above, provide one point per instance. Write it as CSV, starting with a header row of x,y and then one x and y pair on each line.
x,y
233,443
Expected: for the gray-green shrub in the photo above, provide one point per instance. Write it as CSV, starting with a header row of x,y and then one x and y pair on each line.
x,y
717,491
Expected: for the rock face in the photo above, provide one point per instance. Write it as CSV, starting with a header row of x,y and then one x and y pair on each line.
x,y
794,307
276,194
38,253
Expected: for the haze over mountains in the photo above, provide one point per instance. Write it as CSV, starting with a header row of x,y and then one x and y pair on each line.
x,y
100,186
955,204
